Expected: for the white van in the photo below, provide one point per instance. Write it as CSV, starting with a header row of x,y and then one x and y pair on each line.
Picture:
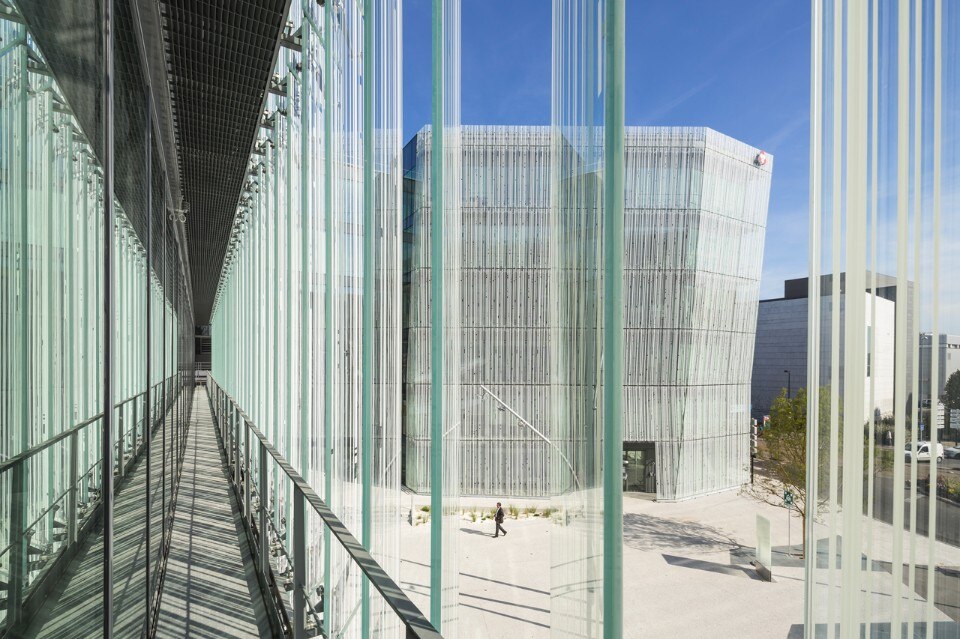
x,y
923,451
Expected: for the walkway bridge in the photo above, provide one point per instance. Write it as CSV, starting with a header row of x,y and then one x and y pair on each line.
x,y
210,560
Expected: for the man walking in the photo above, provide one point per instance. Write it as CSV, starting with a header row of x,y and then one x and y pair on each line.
x,y
499,519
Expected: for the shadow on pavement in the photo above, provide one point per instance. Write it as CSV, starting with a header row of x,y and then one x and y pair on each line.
x,y
645,532
711,566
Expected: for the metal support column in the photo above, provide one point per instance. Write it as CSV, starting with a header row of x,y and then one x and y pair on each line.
x,y
264,504
299,564
246,476
436,323
226,425
235,437
74,489
121,444
613,204
18,505
232,425
163,391
138,428
147,423
106,468
229,416
328,351
121,441
367,309
18,545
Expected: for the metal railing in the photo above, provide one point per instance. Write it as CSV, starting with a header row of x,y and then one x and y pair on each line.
x,y
28,564
239,437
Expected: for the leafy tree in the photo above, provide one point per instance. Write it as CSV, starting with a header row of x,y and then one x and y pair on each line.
x,y
951,392
784,452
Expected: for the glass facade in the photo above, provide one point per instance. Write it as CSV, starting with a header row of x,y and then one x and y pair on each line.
x,y
563,312
585,316
95,312
882,547
444,308
311,289
695,216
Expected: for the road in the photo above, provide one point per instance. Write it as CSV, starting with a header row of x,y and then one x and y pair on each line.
x,y
948,513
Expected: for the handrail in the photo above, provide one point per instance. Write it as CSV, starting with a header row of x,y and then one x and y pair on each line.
x,y
417,625
60,547
30,452
33,450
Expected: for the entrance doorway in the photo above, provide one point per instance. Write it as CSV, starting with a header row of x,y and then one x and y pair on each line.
x,y
640,467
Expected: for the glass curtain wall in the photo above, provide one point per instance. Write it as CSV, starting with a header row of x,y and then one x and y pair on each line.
x,y
884,200
501,328
687,300
324,226
586,316
432,400
52,241
446,238
306,323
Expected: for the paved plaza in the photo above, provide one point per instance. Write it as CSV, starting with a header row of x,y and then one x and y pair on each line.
x,y
691,556
686,567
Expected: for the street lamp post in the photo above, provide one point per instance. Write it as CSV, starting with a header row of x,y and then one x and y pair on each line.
x,y
788,382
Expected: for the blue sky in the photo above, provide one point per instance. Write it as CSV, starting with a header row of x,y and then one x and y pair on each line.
x,y
741,68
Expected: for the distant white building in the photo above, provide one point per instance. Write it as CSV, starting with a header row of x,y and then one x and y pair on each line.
x,y
780,354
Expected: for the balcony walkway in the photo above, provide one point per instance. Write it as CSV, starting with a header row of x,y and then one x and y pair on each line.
x,y
75,606
210,589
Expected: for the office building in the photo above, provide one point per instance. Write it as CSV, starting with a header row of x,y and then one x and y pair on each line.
x,y
780,355
948,363
696,206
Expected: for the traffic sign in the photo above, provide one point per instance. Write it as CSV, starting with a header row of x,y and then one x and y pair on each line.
x,y
788,498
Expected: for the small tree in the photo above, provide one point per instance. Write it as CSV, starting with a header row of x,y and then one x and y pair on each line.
x,y
784,455
951,392
785,447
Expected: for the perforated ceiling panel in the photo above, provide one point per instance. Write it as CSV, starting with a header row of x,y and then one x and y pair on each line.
x,y
220,56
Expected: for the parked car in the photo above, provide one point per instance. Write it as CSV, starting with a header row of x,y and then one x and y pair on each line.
x,y
952,453
923,451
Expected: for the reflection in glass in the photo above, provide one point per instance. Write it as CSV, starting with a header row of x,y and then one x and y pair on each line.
x,y
52,282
